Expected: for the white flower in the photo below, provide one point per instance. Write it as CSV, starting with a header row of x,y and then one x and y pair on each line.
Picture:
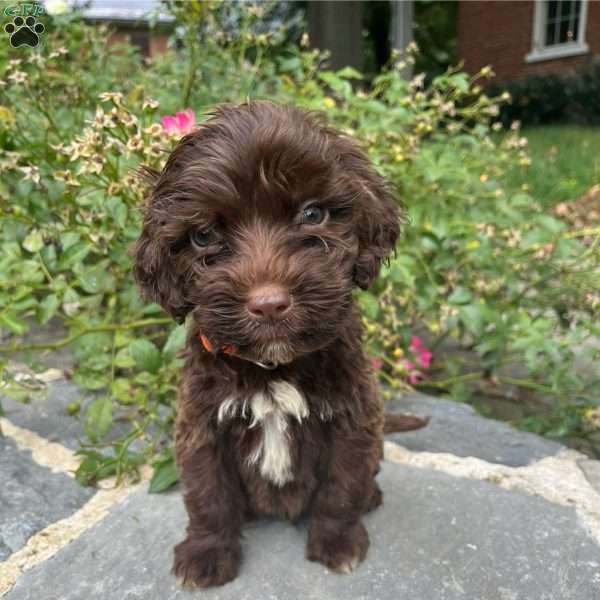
x,y
115,97
18,77
150,103
448,107
56,7
135,143
36,59
418,81
155,130
412,48
67,177
93,166
102,120
113,142
31,172
9,160
128,119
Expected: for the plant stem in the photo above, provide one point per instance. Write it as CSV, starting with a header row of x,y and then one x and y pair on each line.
x,y
94,329
191,74
44,268
526,383
445,382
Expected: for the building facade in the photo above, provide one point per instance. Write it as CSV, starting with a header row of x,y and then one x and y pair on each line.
x,y
528,37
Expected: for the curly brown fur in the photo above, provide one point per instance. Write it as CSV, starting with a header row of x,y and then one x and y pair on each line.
x,y
306,436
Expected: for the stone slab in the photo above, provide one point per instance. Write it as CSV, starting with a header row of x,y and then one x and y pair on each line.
x,y
457,429
437,537
591,470
31,497
454,427
48,416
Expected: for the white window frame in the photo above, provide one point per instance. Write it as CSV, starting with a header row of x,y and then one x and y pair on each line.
x,y
539,50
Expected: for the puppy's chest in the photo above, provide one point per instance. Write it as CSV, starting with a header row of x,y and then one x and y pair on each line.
x,y
270,415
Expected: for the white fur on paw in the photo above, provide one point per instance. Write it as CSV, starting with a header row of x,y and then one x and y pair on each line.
x,y
348,566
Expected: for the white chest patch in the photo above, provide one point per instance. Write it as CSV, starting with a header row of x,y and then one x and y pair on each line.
x,y
271,410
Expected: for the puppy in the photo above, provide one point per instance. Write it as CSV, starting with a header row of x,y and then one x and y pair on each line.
x,y
259,226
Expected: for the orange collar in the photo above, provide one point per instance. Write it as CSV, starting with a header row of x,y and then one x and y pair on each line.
x,y
208,346
230,350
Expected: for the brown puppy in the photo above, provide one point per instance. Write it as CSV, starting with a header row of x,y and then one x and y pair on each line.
x,y
260,224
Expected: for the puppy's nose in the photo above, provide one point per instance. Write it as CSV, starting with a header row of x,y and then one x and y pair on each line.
x,y
268,302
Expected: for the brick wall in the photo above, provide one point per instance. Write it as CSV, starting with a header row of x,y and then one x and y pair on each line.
x,y
148,41
499,33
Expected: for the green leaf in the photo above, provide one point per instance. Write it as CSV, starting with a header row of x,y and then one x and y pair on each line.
x,y
94,466
369,305
34,242
165,475
73,255
98,418
121,390
25,304
460,296
146,355
12,322
117,210
89,380
69,238
349,73
97,279
47,308
472,317
175,341
123,359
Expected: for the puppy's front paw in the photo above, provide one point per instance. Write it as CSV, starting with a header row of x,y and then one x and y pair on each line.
x,y
339,549
200,564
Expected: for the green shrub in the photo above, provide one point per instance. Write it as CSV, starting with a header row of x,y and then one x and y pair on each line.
x,y
553,98
478,266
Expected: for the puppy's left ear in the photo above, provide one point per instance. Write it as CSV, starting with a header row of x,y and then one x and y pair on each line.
x,y
378,218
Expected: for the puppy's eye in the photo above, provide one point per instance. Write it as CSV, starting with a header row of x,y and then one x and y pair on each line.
x,y
204,237
312,215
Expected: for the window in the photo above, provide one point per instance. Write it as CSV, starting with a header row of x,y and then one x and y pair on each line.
x,y
558,29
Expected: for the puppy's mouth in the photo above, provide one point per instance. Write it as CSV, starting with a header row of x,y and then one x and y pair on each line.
x,y
277,352
268,354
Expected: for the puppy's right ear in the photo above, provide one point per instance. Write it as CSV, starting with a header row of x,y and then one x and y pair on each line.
x,y
153,267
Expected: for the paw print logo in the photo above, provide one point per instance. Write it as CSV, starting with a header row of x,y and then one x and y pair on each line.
x,y
24,31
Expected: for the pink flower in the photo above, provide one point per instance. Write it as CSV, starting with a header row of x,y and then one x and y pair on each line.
x,y
414,375
416,343
425,357
181,123
376,363
409,365
422,354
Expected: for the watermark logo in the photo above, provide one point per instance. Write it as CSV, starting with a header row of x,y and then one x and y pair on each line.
x,y
25,28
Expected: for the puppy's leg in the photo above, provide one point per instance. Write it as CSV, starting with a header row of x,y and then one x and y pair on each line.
x,y
336,537
376,498
210,554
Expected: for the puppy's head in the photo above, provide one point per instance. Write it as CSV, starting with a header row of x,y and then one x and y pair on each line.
x,y
260,223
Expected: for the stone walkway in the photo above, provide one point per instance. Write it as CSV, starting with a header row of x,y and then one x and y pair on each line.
x,y
473,510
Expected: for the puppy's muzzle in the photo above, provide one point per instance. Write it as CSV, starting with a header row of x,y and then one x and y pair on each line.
x,y
269,302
